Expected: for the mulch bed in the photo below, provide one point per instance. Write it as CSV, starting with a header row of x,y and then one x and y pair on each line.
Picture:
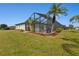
x,y
45,34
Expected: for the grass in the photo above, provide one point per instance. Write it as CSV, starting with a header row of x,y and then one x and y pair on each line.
x,y
16,43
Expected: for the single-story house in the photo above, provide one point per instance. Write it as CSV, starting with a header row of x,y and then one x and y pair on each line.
x,y
25,26
42,24
20,26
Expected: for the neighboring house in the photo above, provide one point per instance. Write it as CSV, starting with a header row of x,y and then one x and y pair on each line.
x,y
77,28
43,23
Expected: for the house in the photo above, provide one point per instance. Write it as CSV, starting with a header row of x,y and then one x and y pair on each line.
x,y
20,26
25,26
42,24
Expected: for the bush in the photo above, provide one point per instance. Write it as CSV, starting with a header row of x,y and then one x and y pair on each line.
x,y
7,28
21,30
58,30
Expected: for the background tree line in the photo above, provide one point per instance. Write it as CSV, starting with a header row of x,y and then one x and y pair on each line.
x,y
6,27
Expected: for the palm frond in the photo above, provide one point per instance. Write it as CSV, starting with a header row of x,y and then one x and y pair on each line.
x,y
59,5
30,21
74,18
58,9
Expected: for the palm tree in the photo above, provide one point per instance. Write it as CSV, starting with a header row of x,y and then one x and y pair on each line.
x,y
74,19
30,21
56,10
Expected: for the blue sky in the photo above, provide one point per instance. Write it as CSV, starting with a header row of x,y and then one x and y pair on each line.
x,y
12,14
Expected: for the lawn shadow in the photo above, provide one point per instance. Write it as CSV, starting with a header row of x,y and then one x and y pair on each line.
x,y
71,39
74,31
67,48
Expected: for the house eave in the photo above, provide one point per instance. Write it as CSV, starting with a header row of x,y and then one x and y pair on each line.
x,y
20,23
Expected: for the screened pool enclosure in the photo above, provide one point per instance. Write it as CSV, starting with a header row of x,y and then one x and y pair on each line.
x,y
38,23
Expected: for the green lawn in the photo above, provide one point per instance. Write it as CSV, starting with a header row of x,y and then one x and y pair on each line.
x,y
17,43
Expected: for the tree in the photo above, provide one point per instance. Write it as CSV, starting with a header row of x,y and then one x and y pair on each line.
x,y
56,10
30,23
74,19
3,26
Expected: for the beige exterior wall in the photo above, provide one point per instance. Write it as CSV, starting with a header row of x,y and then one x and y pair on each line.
x,y
22,26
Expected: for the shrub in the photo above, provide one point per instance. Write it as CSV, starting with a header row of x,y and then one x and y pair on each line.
x,y
6,28
58,30
21,30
